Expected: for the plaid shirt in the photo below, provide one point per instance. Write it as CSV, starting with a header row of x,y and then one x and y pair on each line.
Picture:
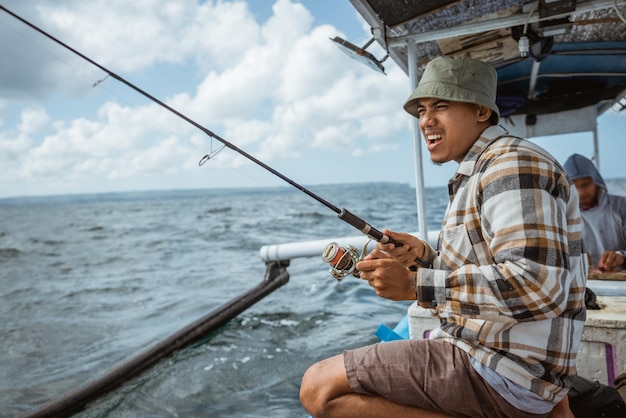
x,y
508,281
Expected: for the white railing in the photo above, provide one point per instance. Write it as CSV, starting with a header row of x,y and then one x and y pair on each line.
x,y
303,249
288,251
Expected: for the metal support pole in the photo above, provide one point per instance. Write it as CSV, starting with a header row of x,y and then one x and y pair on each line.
x,y
417,146
596,147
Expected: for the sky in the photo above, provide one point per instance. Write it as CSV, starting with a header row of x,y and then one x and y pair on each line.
x,y
261,74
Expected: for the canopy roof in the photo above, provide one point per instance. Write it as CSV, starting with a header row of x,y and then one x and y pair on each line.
x,y
576,56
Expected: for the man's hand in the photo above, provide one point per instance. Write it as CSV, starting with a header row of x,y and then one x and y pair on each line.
x,y
389,278
610,260
411,248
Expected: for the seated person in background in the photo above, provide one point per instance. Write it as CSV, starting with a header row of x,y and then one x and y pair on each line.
x,y
603,214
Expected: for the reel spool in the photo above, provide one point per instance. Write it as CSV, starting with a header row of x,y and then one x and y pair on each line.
x,y
343,260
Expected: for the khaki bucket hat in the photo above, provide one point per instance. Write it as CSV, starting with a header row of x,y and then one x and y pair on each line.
x,y
457,79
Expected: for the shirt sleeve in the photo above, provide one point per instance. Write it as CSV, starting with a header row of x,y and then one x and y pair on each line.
x,y
621,213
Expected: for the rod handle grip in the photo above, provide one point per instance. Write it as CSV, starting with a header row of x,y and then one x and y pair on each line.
x,y
370,231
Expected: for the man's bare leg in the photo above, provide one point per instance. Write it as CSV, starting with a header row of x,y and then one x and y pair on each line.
x,y
325,392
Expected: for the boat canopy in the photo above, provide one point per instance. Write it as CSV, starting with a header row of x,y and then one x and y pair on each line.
x,y
551,55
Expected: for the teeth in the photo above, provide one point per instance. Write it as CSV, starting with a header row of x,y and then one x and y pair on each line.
x,y
432,138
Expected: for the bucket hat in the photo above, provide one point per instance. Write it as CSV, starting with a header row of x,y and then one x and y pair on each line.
x,y
457,79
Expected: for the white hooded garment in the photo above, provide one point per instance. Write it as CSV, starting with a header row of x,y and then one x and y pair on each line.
x,y
604,225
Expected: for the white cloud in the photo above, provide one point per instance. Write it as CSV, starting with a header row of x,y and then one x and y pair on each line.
x,y
33,119
276,89
131,36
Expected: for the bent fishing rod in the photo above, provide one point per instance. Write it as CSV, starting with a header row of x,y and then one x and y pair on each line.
x,y
333,253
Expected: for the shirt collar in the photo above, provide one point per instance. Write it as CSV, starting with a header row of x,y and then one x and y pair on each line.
x,y
489,135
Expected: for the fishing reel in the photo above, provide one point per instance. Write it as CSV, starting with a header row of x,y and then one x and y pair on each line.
x,y
343,260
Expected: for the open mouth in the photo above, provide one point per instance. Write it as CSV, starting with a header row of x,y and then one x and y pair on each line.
x,y
434,139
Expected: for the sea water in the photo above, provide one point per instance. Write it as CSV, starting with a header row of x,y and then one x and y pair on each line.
x,y
89,281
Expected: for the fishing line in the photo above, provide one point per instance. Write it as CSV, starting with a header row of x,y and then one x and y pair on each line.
x,y
342,214
23,167
100,83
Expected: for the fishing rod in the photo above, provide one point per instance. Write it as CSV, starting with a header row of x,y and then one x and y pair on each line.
x,y
330,253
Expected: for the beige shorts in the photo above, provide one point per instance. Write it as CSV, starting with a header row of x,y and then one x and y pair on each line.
x,y
431,374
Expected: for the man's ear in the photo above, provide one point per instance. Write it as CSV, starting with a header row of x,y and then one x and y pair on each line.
x,y
484,113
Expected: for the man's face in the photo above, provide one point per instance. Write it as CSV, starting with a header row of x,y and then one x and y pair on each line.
x,y
586,190
450,128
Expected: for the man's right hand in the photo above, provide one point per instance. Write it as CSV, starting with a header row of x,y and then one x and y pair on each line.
x,y
412,248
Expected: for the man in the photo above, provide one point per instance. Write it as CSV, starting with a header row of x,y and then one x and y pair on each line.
x,y
603,214
507,281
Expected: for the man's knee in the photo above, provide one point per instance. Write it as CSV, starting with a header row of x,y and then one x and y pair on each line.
x,y
310,390
323,382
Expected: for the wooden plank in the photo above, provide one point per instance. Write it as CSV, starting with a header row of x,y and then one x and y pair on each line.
x,y
494,46
494,51
607,275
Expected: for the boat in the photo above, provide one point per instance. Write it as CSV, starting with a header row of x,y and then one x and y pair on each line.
x,y
560,64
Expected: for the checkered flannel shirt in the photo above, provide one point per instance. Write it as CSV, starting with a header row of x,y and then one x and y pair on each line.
x,y
508,277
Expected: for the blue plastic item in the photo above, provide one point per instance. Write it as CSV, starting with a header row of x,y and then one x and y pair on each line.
x,y
400,332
